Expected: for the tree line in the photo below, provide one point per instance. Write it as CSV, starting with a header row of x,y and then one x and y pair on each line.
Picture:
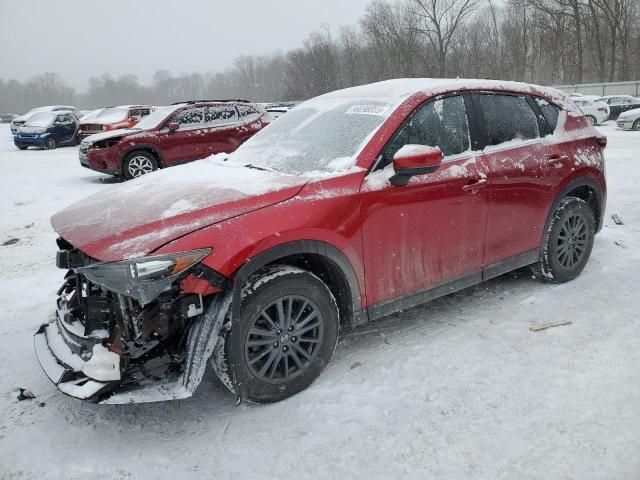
x,y
540,41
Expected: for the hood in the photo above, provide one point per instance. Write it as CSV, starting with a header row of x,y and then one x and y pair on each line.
x,y
134,219
109,134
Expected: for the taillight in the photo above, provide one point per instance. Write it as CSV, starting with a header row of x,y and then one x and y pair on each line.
x,y
602,141
601,109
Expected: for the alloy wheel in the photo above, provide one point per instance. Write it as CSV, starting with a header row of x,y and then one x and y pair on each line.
x,y
139,165
51,143
572,241
284,339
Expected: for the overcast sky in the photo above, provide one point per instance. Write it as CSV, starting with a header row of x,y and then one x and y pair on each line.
x,y
83,38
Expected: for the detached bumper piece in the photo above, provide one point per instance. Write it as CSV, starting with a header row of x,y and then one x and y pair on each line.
x,y
64,367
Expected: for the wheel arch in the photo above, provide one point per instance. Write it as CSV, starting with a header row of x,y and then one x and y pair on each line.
x,y
144,147
320,258
587,189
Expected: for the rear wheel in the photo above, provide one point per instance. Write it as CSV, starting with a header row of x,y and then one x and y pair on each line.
x,y
568,241
288,331
137,164
591,119
51,143
636,124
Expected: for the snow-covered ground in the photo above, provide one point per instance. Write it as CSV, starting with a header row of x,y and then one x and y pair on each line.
x,y
460,388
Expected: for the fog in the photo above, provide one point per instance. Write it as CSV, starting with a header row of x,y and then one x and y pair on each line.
x,y
79,39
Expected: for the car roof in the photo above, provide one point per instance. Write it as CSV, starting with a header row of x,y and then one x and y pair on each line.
x,y
194,102
405,87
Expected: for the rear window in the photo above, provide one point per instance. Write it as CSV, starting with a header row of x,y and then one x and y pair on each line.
x,y
551,111
508,117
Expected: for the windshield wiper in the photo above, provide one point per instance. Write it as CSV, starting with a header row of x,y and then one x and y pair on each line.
x,y
264,169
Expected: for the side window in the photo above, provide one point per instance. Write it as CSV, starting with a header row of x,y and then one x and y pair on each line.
x,y
550,111
508,117
437,123
220,115
62,119
247,114
190,118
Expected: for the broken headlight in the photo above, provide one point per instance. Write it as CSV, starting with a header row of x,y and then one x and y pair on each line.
x,y
143,278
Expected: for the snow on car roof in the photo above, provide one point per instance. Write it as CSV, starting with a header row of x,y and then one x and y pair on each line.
x,y
405,87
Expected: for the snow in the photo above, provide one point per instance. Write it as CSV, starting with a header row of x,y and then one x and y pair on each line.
x,y
460,388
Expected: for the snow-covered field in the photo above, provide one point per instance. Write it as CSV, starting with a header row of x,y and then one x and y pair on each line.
x,y
460,388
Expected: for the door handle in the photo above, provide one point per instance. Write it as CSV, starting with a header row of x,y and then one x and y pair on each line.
x,y
474,185
557,159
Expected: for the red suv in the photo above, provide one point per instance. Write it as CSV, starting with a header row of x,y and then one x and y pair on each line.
x,y
172,135
113,118
352,206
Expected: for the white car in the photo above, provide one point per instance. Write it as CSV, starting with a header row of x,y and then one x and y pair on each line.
x,y
596,112
629,120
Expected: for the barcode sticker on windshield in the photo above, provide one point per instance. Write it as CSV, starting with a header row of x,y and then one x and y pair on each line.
x,y
368,109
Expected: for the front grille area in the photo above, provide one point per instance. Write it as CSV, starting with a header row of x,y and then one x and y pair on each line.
x,y
92,127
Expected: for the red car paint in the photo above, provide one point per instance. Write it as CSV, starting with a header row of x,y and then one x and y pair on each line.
x,y
105,153
482,212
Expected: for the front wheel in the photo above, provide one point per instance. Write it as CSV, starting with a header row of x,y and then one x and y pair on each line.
x,y
592,120
51,143
288,331
636,124
137,164
22,147
568,241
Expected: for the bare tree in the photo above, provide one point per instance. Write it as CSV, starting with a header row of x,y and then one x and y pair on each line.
x,y
442,21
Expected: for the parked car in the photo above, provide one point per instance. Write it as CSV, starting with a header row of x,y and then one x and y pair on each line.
x,y
595,112
113,118
629,120
355,205
7,117
90,114
620,103
48,130
19,121
177,134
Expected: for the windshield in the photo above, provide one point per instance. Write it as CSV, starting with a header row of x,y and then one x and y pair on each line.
x,y
43,119
156,118
113,115
313,134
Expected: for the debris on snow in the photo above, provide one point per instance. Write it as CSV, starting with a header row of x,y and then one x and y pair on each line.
x,y
11,241
620,243
616,218
549,325
25,395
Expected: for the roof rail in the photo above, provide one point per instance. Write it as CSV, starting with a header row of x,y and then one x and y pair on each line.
x,y
214,100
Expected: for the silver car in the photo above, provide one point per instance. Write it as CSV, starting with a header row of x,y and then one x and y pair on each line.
x,y
629,120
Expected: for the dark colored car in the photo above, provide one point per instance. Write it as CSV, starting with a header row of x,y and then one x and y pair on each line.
x,y
352,206
173,135
619,103
19,121
48,130
113,118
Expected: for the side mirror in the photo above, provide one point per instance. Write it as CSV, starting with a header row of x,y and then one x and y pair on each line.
x,y
413,160
173,127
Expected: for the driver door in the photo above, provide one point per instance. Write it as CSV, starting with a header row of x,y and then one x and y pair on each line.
x,y
431,231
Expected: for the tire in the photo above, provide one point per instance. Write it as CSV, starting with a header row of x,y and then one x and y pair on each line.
x,y
137,164
568,242
591,119
51,143
281,307
23,147
636,124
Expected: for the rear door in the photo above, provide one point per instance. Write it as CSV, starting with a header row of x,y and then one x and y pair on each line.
x,y
182,145
430,231
523,172
222,132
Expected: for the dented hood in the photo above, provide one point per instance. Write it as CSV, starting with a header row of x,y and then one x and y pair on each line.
x,y
134,219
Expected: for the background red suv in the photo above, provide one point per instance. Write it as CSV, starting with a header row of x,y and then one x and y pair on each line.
x,y
172,135
352,206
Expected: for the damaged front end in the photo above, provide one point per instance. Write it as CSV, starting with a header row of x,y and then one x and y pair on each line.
x,y
139,330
